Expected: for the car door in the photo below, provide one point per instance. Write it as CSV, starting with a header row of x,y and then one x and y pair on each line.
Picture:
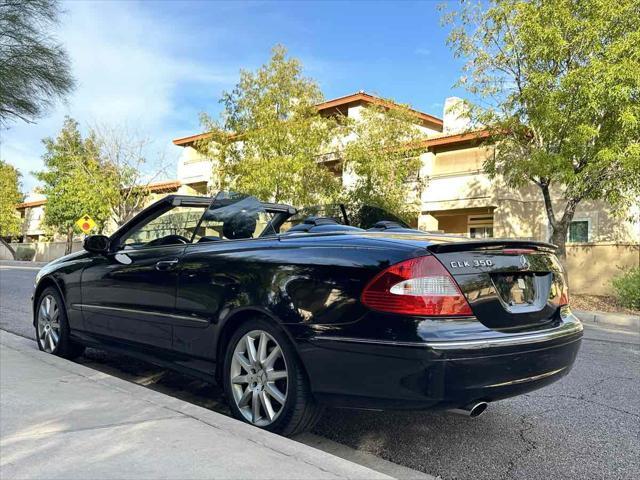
x,y
218,267
129,294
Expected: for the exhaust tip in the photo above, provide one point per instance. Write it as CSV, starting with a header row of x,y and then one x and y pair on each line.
x,y
472,410
478,409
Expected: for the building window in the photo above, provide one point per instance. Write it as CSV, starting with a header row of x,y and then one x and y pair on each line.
x,y
579,231
481,232
480,226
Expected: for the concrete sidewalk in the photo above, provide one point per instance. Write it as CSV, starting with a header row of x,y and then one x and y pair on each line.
x,y
59,419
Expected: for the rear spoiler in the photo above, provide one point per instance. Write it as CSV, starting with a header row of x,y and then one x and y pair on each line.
x,y
495,244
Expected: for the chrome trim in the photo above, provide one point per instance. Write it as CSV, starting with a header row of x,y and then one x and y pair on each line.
x,y
472,410
528,379
83,306
565,330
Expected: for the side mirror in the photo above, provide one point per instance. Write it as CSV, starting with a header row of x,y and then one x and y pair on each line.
x,y
96,244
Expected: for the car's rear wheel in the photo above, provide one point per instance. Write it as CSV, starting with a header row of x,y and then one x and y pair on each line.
x,y
264,380
52,326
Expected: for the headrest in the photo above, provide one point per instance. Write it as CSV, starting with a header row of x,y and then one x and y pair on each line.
x,y
241,225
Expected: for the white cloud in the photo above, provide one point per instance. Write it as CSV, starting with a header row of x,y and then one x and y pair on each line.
x,y
131,68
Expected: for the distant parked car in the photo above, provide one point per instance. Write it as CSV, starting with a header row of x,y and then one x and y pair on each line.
x,y
293,310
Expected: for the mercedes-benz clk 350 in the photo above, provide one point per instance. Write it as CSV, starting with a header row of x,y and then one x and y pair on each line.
x,y
293,310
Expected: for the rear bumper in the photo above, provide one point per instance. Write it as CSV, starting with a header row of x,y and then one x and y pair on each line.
x,y
379,374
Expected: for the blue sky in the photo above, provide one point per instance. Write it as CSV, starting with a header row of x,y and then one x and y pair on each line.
x,y
154,66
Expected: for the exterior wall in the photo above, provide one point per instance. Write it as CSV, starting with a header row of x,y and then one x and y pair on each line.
x,y
459,161
604,226
194,167
5,253
32,220
44,251
455,180
592,266
453,224
355,112
32,217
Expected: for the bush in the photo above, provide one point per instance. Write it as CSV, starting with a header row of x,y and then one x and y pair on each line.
x,y
627,288
25,253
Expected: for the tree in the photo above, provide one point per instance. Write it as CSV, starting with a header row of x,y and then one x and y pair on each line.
x,y
381,157
10,195
271,136
127,172
34,69
557,84
75,181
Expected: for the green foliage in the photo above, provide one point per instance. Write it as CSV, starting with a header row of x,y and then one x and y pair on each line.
x,y
381,160
10,195
627,288
25,253
34,68
75,180
273,143
558,85
271,135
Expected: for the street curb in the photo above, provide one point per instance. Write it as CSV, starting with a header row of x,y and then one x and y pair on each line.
x,y
610,319
22,263
318,459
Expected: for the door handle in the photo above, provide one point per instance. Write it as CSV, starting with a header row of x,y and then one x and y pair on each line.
x,y
164,265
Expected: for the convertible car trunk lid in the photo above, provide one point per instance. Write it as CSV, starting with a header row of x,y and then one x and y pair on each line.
x,y
510,285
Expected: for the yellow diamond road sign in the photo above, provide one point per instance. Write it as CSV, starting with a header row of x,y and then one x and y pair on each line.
x,y
85,223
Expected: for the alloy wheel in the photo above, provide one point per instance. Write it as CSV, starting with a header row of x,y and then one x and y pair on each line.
x,y
259,378
49,323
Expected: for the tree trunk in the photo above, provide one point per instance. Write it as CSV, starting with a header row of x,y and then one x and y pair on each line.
x,y
67,250
559,238
560,227
9,247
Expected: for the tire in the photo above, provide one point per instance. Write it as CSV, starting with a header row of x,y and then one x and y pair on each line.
x,y
264,381
52,326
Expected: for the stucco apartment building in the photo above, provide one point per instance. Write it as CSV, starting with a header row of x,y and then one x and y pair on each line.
x,y
459,197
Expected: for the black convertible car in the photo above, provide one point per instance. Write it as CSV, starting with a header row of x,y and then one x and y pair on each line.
x,y
293,310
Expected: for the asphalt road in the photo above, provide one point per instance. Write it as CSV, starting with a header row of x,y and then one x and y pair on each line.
x,y
585,426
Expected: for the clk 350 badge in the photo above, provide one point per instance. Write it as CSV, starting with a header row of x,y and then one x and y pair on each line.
x,y
471,263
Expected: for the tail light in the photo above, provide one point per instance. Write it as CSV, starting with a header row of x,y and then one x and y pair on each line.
x,y
419,286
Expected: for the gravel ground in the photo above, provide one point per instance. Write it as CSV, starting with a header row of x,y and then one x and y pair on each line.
x,y
600,303
585,426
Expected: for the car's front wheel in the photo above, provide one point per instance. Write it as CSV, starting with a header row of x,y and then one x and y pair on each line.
x,y
264,380
52,327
